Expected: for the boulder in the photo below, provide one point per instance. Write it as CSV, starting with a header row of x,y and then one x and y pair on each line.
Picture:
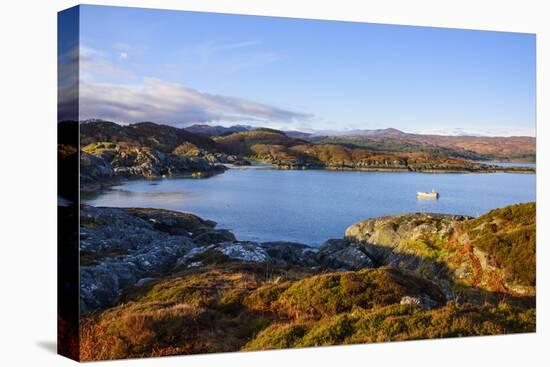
x,y
423,300
341,254
244,251
290,253
214,236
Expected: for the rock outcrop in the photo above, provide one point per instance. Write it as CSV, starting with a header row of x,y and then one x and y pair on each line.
x,y
448,250
121,247
111,153
124,247
344,255
104,162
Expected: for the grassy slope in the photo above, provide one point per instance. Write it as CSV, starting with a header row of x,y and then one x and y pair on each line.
x,y
521,149
146,134
275,147
508,235
229,309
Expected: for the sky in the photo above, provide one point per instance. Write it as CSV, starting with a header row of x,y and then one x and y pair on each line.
x,y
182,68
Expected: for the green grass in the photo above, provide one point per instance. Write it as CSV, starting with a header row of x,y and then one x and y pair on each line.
x,y
229,309
394,323
508,235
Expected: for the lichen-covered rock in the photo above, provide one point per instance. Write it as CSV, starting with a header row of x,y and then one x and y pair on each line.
x,y
119,247
174,223
290,254
244,251
122,247
214,236
413,242
94,171
422,300
449,250
341,254
103,161
391,231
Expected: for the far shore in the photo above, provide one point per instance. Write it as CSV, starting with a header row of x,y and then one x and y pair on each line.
x,y
105,185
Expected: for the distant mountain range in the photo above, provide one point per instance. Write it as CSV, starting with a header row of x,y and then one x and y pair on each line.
x,y
481,148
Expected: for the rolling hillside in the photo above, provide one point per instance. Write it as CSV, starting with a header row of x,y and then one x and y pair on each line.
x,y
516,149
277,147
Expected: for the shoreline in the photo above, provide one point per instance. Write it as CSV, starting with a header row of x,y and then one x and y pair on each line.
x,y
137,262
100,186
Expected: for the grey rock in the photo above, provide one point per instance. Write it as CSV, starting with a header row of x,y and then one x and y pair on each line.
x,y
290,253
422,300
214,236
126,247
244,251
391,231
184,260
341,254
144,281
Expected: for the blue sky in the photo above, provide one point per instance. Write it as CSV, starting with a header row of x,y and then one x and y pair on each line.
x,y
181,68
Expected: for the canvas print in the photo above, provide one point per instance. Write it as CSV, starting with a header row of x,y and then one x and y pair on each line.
x,y
241,183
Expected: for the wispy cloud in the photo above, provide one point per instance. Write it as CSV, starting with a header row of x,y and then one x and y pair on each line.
x,y
228,56
96,63
478,132
157,100
152,99
211,49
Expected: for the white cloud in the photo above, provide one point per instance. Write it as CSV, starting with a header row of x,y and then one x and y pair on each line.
x,y
157,100
505,132
152,99
95,63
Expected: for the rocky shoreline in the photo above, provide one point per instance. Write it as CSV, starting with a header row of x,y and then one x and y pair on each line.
x,y
158,282
111,153
129,247
100,175
463,170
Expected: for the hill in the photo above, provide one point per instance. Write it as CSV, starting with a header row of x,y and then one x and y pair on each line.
x,y
209,130
112,152
273,146
148,134
513,149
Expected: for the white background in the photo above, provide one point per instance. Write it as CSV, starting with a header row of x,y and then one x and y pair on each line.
x,y
28,182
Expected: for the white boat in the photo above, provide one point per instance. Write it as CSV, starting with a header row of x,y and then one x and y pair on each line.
x,y
427,195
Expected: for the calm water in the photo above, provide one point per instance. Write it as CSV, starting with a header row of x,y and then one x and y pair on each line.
x,y
510,164
315,205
